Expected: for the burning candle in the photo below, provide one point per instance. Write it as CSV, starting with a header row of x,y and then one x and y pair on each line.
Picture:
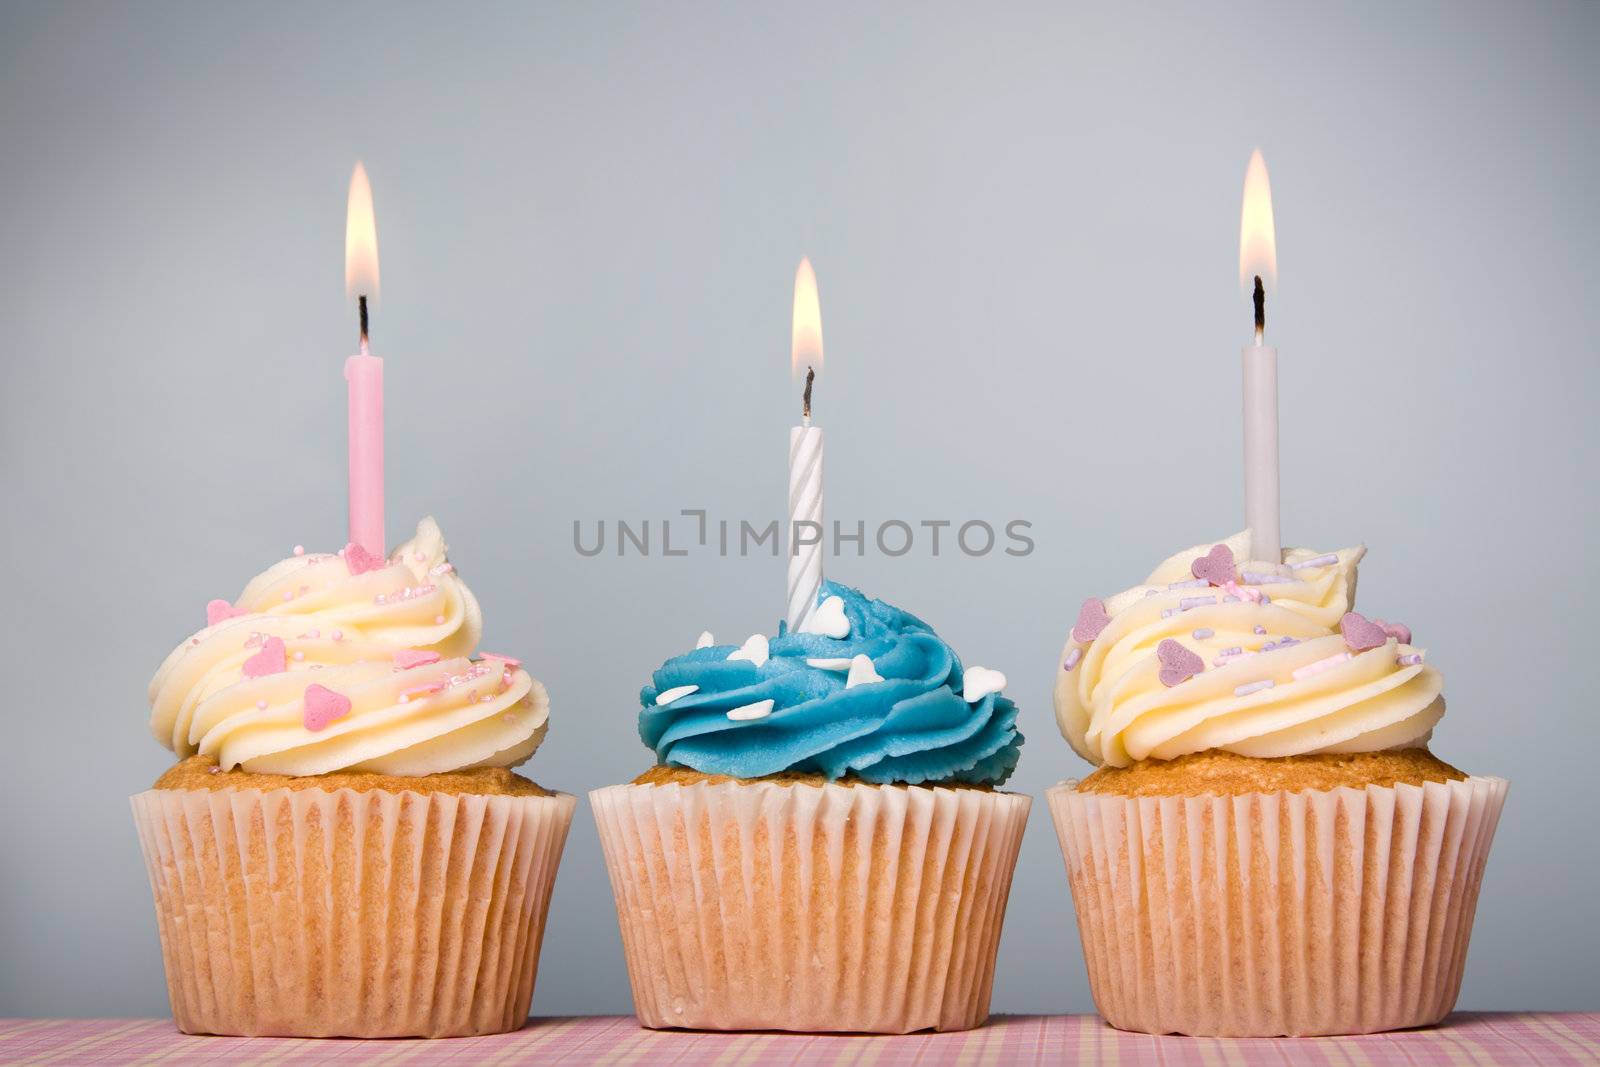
x,y
1258,258
363,372
805,455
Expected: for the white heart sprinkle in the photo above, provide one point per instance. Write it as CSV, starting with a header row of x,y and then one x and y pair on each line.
x,y
862,672
829,664
667,696
979,682
706,640
828,620
754,650
759,710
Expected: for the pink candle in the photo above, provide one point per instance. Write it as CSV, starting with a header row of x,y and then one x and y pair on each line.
x,y
363,374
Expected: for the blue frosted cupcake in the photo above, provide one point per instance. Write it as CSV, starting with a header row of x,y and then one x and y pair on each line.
x,y
821,845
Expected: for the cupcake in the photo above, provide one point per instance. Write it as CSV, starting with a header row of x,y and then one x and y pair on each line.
x,y
1267,847
342,849
821,845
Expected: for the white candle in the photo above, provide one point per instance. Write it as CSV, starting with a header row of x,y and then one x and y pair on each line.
x,y
1258,257
805,457
1261,452
805,522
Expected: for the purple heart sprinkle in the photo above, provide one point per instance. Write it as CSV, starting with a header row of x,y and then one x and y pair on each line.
x,y
1215,566
1178,664
1092,618
1360,633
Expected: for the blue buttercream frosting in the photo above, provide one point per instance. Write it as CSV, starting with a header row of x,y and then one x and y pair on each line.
x,y
912,727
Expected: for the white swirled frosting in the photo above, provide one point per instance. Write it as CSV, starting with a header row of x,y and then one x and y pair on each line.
x,y
1277,675
323,665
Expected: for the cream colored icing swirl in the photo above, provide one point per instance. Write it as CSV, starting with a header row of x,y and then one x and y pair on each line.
x,y
1113,707
370,638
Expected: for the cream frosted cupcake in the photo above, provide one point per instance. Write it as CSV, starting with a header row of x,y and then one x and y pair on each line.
x,y
821,845
1268,847
343,849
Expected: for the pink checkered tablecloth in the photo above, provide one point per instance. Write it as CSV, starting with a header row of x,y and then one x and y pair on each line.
x,y
1500,1039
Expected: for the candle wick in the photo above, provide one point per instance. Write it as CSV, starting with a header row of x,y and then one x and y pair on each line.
x,y
361,305
805,399
1260,298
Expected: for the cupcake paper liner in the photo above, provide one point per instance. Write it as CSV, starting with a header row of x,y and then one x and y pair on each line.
x,y
312,913
1339,912
759,906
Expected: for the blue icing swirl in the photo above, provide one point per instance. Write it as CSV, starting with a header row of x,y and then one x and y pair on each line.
x,y
912,727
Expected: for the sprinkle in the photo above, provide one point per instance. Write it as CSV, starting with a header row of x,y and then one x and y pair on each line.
x,y
1192,583
862,672
509,716
1178,664
268,661
1230,599
1216,566
358,560
261,704
497,657
444,568
979,682
322,706
1244,592
438,620
408,658
1167,613
379,599
419,555
1072,659
1204,633
216,770
1252,687
1311,670
1326,560
759,710
299,550
828,619
221,611
1410,659
667,696
487,698
705,640
337,635
426,689
288,594
1092,618
1260,630
754,649
1189,602
1234,651
1361,633
1256,578
299,655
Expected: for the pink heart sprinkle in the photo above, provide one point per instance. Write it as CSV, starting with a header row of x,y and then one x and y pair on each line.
x,y
323,706
359,560
1397,630
1215,566
270,660
1361,633
1092,618
221,611
407,658
1178,664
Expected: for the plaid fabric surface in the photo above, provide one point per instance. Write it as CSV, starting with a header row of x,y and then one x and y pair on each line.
x,y
1491,1038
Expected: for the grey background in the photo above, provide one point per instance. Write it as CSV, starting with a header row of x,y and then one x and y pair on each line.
x,y
1024,221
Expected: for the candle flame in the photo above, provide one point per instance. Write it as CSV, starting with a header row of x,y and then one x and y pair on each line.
x,y
1258,237
360,238
805,349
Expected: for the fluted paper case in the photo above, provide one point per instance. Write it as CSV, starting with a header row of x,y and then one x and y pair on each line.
x,y
764,906
1345,911
312,913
